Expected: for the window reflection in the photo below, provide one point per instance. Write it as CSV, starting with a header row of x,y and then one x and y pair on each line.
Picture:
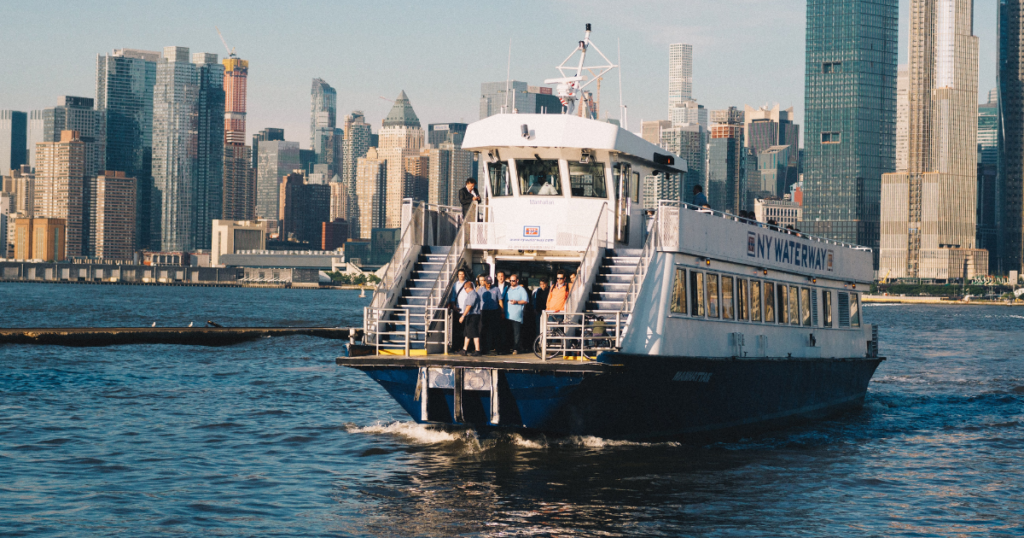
x,y
587,180
538,177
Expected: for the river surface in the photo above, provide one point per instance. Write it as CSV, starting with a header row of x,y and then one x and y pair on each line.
x,y
271,438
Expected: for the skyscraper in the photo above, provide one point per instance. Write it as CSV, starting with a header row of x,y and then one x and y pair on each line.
x,y
323,114
357,141
850,116
277,159
13,133
929,212
726,186
766,127
124,92
446,132
680,74
902,117
1010,181
689,141
520,97
111,215
188,149
77,114
239,178
400,137
60,185
371,194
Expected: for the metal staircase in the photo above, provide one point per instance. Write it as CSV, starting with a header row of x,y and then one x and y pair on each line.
x,y
613,279
414,298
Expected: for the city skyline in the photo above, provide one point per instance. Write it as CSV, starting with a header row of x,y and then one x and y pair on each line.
x,y
443,75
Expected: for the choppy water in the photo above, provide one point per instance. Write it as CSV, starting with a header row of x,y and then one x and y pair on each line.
x,y
270,438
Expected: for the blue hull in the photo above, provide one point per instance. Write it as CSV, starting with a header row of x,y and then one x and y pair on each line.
x,y
637,396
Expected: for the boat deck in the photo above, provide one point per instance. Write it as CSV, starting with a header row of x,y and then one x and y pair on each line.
x,y
521,361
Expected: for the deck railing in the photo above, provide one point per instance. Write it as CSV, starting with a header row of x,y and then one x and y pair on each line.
x,y
581,334
441,288
637,280
386,323
590,263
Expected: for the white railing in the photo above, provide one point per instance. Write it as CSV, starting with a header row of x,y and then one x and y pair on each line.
x,y
380,326
637,280
580,334
590,264
405,255
444,330
441,288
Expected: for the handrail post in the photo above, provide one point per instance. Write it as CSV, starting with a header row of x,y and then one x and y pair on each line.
x,y
544,335
407,332
447,328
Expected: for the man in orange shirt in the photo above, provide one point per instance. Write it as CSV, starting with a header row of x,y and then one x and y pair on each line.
x,y
558,294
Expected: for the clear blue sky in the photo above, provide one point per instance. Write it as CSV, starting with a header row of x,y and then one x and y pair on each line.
x,y
746,51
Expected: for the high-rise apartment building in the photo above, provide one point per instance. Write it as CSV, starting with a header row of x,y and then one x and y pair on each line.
x,y
60,186
726,182
323,114
730,116
36,127
929,212
688,141
188,149
276,159
902,117
448,168
339,200
356,142
124,92
766,127
371,195
77,114
1010,182
239,177
304,209
21,186
680,74
688,112
988,131
400,137
988,174
651,130
849,116
446,132
13,134
111,215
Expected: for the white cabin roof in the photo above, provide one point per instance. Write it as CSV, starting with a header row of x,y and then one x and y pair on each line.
x,y
561,131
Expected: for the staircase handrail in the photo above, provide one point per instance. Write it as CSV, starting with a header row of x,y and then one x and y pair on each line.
x,y
637,280
441,288
385,289
589,260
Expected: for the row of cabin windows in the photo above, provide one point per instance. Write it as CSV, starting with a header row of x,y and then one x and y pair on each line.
x,y
718,296
540,177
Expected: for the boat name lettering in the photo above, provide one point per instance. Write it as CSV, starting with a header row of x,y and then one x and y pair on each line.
x,y
699,377
781,250
542,202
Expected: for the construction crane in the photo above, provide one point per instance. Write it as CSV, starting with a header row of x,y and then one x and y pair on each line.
x,y
231,50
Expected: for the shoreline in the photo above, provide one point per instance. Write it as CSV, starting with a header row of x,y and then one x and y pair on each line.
x,y
200,284
897,299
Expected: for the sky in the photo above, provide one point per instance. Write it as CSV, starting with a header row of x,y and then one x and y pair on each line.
x,y
746,52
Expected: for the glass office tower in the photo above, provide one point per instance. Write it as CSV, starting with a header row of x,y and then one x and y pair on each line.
x,y
850,116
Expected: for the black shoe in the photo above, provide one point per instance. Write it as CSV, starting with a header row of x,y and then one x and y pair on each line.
x,y
476,354
462,352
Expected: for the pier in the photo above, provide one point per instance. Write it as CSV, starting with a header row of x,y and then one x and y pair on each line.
x,y
189,336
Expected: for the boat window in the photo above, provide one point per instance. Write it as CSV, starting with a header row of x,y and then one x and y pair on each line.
x,y
814,308
538,177
679,292
741,300
728,310
805,307
501,183
769,302
844,310
696,293
634,188
587,180
755,300
854,310
794,306
782,299
712,295
826,306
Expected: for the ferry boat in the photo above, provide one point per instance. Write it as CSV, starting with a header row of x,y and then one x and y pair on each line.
x,y
683,322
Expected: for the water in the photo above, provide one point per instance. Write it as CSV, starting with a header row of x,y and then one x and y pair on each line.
x,y
270,438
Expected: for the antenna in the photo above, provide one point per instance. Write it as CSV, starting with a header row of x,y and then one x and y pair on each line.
x,y
622,108
231,51
508,76
569,87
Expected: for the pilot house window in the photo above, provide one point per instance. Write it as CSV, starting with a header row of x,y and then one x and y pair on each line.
x,y
587,180
501,184
538,177
679,292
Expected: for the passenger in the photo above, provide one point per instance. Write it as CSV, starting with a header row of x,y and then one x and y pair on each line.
x,y
502,342
540,301
572,282
470,318
516,300
491,312
468,195
699,199
558,294
548,189
454,304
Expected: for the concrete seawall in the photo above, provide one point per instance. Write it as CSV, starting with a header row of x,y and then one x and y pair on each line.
x,y
189,336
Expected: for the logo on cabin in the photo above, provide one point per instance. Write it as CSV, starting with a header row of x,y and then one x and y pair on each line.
x,y
751,244
779,248
531,231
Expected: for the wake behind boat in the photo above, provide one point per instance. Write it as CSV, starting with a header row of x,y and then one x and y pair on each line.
x,y
683,322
